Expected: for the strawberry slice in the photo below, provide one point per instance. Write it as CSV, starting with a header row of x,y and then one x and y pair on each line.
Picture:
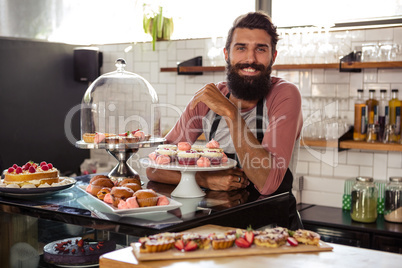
x,y
242,243
179,244
249,235
292,241
190,246
133,132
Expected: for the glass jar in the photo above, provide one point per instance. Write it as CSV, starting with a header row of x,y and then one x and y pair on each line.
x,y
364,200
393,201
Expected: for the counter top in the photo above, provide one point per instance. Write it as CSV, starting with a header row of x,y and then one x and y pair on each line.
x,y
340,256
73,206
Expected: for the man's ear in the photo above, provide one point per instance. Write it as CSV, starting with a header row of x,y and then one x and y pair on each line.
x,y
226,54
274,56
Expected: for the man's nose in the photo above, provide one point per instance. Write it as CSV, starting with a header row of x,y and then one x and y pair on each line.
x,y
251,56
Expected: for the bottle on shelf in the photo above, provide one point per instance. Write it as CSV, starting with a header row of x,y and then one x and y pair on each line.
x,y
395,112
383,119
360,123
372,108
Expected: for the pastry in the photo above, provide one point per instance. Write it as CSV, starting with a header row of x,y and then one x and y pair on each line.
x,y
32,173
146,198
168,152
152,245
132,185
202,241
130,179
162,160
212,144
214,156
272,237
203,162
307,237
94,178
189,157
103,192
76,251
183,146
98,184
120,193
88,137
222,241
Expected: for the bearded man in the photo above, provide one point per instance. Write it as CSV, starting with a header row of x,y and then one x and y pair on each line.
x,y
256,118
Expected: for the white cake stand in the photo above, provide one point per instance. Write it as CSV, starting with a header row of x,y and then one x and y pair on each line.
x,y
188,187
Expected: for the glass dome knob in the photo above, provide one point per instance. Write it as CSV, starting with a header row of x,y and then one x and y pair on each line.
x,y
120,64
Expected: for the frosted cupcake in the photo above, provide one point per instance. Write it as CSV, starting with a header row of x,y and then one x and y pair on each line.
x,y
167,146
168,152
198,148
188,157
215,156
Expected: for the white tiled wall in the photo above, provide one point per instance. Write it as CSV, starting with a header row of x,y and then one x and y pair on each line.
x,y
324,170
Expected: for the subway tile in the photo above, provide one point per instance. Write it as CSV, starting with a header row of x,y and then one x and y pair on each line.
x,y
398,35
185,54
390,75
302,167
356,82
318,76
394,160
323,184
394,172
322,198
291,76
380,165
334,76
323,90
305,83
310,154
314,168
366,171
360,158
347,171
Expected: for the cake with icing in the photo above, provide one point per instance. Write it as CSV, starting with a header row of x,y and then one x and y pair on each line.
x,y
76,251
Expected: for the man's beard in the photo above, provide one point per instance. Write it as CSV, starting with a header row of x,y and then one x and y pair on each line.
x,y
249,87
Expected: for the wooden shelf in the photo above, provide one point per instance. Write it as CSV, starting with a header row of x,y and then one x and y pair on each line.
x,y
351,144
376,146
357,65
319,143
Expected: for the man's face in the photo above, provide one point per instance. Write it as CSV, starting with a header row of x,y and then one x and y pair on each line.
x,y
249,64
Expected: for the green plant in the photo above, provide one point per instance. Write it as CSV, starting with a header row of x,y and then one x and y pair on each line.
x,y
158,26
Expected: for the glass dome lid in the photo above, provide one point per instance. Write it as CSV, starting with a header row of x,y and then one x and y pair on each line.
x,y
118,102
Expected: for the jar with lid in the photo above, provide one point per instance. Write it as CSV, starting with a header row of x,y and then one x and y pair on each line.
x,y
393,201
364,200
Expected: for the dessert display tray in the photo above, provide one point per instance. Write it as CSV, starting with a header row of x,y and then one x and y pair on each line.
x,y
38,191
234,251
187,187
142,144
173,204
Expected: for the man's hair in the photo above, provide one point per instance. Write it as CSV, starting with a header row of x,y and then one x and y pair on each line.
x,y
254,20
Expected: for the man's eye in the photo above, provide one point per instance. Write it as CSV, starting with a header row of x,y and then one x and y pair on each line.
x,y
261,49
241,48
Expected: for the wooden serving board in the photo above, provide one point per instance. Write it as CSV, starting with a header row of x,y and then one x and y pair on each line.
x,y
234,251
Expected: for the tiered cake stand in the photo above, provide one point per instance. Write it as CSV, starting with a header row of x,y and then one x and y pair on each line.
x,y
188,187
122,152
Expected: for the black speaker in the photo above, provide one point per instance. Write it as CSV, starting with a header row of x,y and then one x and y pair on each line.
x,y
87,63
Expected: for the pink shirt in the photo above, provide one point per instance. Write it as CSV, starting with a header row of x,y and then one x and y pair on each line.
x,y
282,122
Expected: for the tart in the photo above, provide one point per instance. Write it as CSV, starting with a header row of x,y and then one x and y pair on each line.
x,y
222,241
307,237
272,238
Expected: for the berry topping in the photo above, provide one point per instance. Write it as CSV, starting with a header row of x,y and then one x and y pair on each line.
x,y
15,166
28,164
18,170
45,168
42,163
34,165
50,166
25,167
32,169
10,170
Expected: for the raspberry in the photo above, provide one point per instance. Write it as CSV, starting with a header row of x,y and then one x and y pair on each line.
x,y
45,167
18,170
42,163
28,164
15,166
10,170
25,167
50,166
32,169
34,165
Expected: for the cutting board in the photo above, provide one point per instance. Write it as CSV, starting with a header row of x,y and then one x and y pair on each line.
x,y
173,253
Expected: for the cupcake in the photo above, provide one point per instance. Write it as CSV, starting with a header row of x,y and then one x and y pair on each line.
x,y
146,197
214,156
168,152
168,146
187,158
198,148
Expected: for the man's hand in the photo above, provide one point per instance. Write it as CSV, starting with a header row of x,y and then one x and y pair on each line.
x,y
215,100
222,180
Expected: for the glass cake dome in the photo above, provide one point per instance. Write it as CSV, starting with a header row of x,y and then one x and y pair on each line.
x,y
118,102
